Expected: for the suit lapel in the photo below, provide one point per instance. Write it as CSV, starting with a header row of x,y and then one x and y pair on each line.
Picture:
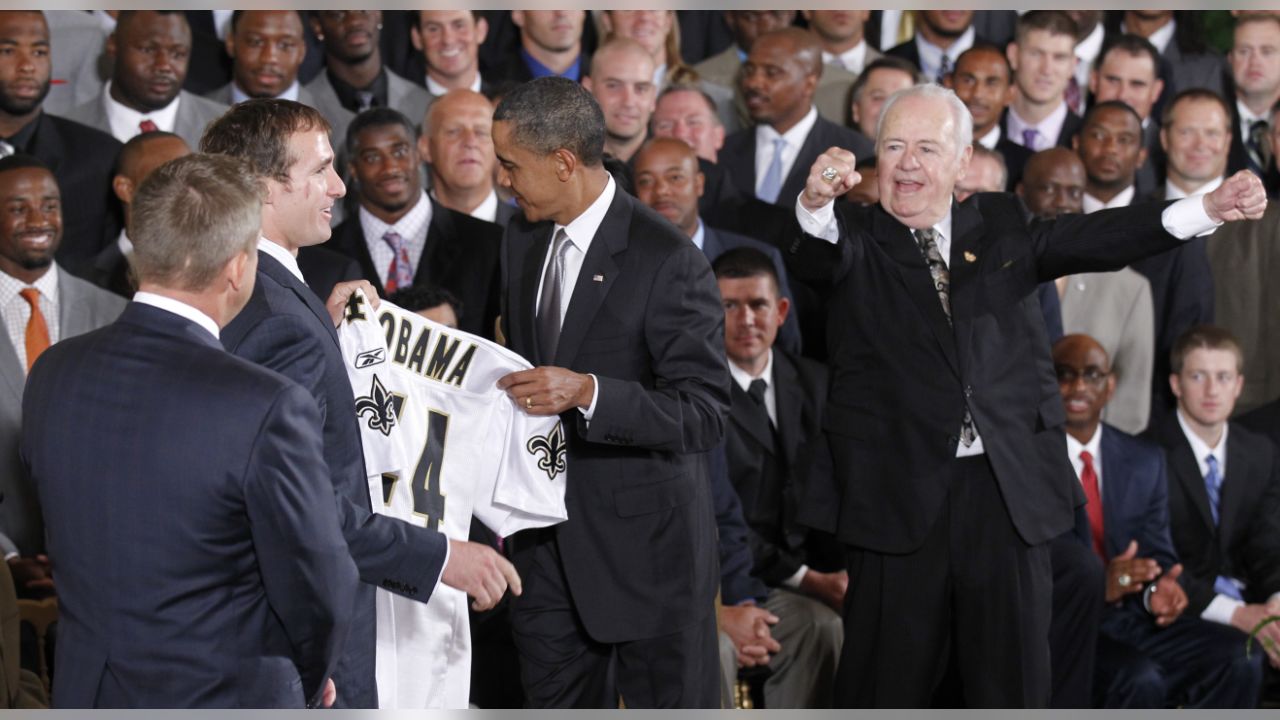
x,y
535,252
740,161
788,399
1182,463
810,149
48,143
597,275
441,249
270,267
899,244
967,228
712,247
752,418
73,318
1233,491
1115,481
15,376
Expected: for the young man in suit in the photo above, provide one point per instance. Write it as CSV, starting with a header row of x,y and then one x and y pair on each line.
x,y
401,237
621,80
80,156
148,567
1224,493
1128,70
936,339
449,42
456,143
620,313
150,50
1255,75
774,441
266,48
983,80
1149,654
939,39
1043,62
286,328
550,44
778,81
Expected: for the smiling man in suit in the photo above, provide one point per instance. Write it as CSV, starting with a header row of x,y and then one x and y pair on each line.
x,y
286,328
950,468
401,237
778,81
620,313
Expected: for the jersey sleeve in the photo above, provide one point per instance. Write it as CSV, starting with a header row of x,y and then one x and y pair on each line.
x,y
529,487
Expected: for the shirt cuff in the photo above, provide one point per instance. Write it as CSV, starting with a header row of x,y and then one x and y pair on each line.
x,y
1220,609
448,550
10,555
820,223
793,582
1187,218
595,395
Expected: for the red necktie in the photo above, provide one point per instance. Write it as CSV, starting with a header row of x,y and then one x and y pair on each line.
x,y
1089,478
147,126
37,339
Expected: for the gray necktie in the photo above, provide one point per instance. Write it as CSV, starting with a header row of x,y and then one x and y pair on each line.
x,y
548,321
927,240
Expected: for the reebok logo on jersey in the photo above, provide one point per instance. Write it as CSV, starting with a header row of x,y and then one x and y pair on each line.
x,y
382,407
552,447
368,358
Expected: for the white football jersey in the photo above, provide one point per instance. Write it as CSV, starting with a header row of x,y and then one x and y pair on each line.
x,y
441,443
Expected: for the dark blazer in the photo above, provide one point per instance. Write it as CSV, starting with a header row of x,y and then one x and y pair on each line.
x,y
738,156
645,318
199,558
1015,159
1238,157
83,160
717,242
323,268
285,328
210,65
461,255
901,375
1264,421
737,584
1246,543
770,472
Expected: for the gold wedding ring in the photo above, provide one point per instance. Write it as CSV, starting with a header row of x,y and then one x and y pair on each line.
x,y
830,174
528,402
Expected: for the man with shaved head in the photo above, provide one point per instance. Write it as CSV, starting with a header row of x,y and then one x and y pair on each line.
x,y
778,81
621,79
950,475
1053,183
457,145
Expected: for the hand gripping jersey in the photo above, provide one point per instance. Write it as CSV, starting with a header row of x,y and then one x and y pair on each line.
x,y
441,443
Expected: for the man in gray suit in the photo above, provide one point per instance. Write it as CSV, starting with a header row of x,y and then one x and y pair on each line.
x,y
30,232
266,49
149,52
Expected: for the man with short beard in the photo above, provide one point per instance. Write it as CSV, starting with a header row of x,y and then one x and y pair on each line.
x,y
150,51
266,48
41,304
80,157
940,38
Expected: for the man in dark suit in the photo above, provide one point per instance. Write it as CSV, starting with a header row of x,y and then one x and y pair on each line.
x,y
80,157
940,37
456,143
1043,62
983,80
1128,70
778,81
667,180
1265,420
1224,496
1255,89
552,42
448,44
146,617
150,52
266,48
950,475
774,441
287,329
400,237
638,374
1149,654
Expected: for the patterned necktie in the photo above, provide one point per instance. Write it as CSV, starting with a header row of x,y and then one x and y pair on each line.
x,y
400,272
364,100
37,339
1089,479
944,68
771,185
927,241
1073,96
1030,139
1256,146
549,300
146,126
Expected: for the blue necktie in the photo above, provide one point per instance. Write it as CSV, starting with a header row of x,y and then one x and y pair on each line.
x,y
1213,486
772,184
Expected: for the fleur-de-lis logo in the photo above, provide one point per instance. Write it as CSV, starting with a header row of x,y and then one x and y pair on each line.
x,y
381,406
551,448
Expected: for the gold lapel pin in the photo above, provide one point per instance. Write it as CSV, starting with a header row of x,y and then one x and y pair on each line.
x,y
970,257
597,278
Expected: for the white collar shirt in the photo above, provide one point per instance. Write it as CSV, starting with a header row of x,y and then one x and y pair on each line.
x,y
17,311
412,228
125,122
1049,128
180,309
1093,204
282,256
744,378
793,140
1094,446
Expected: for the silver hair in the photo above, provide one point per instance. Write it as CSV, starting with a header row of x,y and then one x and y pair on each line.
x,y
963,121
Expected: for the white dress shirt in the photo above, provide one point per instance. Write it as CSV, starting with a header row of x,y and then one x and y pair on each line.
x,y
582,232
992,138
1247,119
1094,446
179,308
1086,53
931,55
282,256
1183,219
124,243
412,228
794,139
437,89
853,59
1049,128
1123,199
1160,38
1173,192
17,311
238,96
126,122
487,210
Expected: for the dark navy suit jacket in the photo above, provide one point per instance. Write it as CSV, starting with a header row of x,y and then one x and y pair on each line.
x,y
200,562
286,328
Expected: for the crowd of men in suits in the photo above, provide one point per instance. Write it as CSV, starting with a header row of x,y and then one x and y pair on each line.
x,y
753,338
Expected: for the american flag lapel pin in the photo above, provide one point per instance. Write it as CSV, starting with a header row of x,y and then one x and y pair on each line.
x,y
597,278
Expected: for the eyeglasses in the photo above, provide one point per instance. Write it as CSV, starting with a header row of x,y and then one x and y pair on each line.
x,y
1069,375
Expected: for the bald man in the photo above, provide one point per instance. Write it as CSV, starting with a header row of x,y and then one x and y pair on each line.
x,y
778,81
621,80
142,154
456,144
